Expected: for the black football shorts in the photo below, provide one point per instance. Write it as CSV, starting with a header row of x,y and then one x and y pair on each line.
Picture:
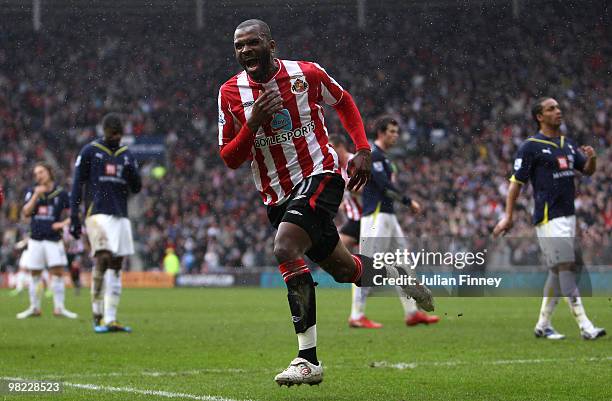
x,y
312,206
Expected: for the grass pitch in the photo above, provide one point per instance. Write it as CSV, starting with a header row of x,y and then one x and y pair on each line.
x,y
227,344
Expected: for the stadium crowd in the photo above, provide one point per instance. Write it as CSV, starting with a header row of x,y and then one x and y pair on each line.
x,y
460,87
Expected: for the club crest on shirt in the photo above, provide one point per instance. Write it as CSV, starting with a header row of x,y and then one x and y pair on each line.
x,y
298,85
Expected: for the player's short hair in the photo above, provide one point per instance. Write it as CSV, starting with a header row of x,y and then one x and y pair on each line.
x,y
47,167
112,122
337,140
263,27
537,109
383,123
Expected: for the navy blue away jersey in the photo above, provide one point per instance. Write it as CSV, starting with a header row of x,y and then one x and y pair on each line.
x,y
48,210
376,193
549,164
109,175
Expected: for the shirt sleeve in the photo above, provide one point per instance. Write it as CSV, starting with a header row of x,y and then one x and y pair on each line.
x,y
523,164
379,176
226,120
331,91
133,175
579,159
28,195
81,174
65,200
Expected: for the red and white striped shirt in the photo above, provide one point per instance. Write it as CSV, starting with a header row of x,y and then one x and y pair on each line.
x,y
350,202
294,145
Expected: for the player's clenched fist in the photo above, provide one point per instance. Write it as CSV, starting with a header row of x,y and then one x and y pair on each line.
x,y
268,103
588,151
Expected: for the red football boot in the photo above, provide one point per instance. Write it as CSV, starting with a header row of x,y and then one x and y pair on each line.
x,y
421,317
364,323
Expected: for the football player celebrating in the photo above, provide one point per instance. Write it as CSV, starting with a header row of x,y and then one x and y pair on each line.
x,y
271,113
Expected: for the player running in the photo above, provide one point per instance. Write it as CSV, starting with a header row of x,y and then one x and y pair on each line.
x,y
109,172
271,114
379,220
548,160
44,204
349,232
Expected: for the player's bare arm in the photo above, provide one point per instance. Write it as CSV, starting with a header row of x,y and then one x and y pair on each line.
x,y
28,208
506,223
59,225
591,163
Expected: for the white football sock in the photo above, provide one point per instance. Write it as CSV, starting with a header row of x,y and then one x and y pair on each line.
x,y
550,300
409,304
546,311
307,339
567,279
35,292
112,295
21,280
58,288
358,304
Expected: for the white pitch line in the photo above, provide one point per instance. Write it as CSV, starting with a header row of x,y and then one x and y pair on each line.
x,y
414,365
158,393
143,373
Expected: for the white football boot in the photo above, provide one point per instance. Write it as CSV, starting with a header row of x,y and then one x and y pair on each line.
x,y
593,333
300,371
59,312
548,333
30,312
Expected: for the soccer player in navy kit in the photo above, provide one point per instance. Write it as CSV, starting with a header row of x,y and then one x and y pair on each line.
x,y
349,234
379,220
44,204
109,172
548,160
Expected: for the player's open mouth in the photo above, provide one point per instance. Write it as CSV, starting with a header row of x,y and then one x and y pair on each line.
x,y
251,64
